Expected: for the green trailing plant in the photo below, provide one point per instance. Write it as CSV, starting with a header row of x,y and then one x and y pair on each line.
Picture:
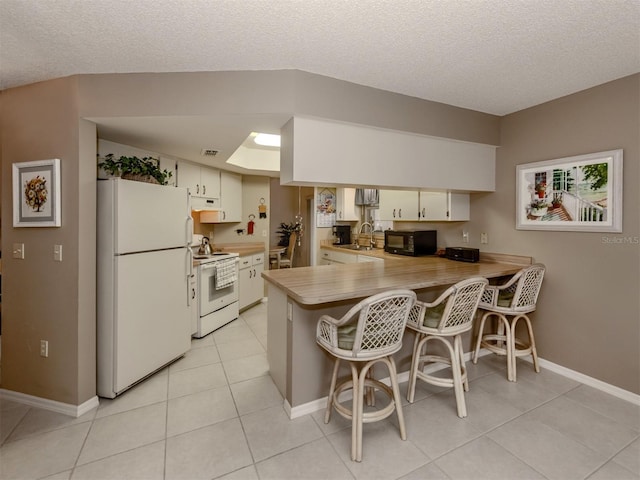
x,y
134,167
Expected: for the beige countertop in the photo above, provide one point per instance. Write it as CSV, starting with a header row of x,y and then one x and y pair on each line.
x,y
241,248
332,283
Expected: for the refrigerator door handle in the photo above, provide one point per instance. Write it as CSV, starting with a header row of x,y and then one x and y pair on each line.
x,y
189,230
189,263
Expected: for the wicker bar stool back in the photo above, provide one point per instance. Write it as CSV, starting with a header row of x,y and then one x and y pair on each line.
x,y
369,333
510,303
447,317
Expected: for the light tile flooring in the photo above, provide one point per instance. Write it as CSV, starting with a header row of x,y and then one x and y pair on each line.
x,y
216,414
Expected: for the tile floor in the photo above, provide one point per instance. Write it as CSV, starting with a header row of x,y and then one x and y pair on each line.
x,y
216,414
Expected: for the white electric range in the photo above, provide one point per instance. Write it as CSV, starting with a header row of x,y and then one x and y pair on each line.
x,y
217,291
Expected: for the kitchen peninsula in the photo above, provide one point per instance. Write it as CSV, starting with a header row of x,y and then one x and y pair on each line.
x,y
299,296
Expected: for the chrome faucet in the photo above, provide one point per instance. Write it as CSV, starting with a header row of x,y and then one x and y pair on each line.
x,y
371,240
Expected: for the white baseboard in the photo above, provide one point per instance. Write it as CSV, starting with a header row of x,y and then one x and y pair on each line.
x,y
587,380
321,403
52,405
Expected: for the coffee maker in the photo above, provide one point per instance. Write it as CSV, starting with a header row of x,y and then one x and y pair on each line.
x,y
342,234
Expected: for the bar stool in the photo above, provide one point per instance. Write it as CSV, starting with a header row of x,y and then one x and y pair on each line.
x,y
369,333
514,299
450,315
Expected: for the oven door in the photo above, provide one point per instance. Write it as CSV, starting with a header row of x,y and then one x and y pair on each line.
x,y
210,298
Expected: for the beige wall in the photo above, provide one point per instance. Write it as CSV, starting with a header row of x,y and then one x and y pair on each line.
x,y
43,299
253,189
285,201
588,316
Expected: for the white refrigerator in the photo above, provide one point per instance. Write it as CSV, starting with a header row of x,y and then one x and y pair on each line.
x,y
144,262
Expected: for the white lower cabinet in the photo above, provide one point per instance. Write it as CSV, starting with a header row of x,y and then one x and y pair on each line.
x,y
330,257
368,258
251,284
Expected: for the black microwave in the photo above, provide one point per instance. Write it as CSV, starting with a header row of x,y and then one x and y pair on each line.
x,y
414,243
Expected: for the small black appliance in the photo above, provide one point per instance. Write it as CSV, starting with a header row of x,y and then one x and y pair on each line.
x,y
413,243
342,234
462,254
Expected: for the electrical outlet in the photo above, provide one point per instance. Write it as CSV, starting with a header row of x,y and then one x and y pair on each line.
x,y
44,348
484,238
465,237
18,251
57,253
264,233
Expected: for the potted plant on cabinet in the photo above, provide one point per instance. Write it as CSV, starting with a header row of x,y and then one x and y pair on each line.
x,y
145,169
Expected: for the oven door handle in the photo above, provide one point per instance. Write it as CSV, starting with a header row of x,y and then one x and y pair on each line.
x,y
207,266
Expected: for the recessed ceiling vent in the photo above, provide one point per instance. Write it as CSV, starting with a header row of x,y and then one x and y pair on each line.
x,y
209,152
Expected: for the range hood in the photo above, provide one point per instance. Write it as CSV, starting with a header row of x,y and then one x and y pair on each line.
x,y
367,197
199,204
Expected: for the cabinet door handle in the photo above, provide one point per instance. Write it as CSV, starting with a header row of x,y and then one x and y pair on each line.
x,y
224,215
193,293
399,213
197,188
423,213
394,213
204,189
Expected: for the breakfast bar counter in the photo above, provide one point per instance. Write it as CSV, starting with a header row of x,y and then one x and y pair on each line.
x,y
299,296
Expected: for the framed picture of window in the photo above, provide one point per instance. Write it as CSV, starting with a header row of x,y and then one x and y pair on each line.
x,y
581,193
36,193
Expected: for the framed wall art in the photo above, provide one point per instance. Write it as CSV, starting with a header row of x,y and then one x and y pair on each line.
x,y
36,193
581,193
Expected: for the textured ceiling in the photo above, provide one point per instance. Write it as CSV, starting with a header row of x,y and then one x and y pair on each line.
x,y
494,56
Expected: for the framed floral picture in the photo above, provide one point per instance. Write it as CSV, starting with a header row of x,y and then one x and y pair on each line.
x,y
36,193
581,193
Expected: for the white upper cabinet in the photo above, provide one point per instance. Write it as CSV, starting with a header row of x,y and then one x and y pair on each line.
x,y
412,206
347,210
434,206
200,181
444,206
210,178
399,205
229,208
231,196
